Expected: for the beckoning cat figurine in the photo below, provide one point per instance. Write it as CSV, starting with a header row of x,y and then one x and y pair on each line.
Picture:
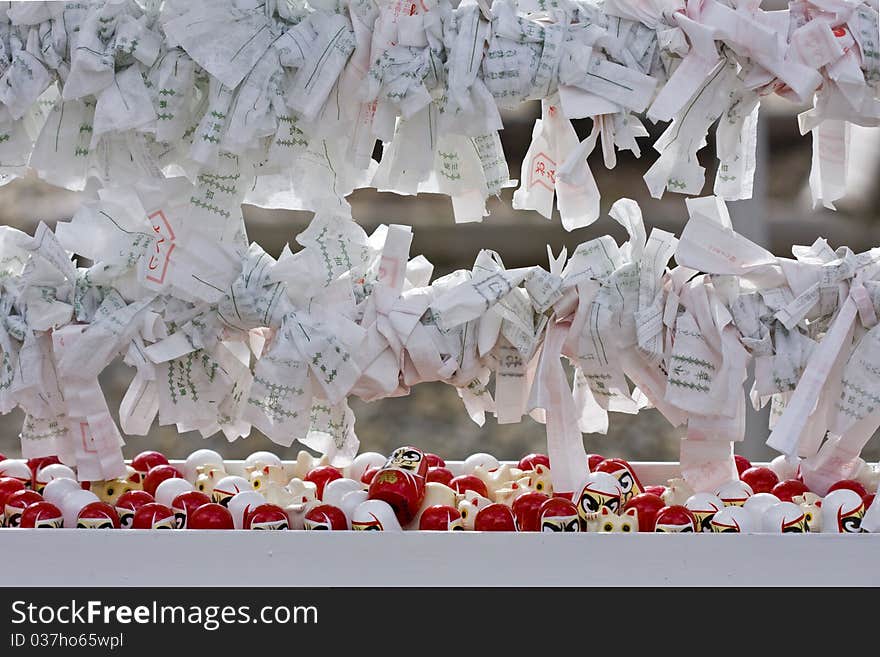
x,y
606,521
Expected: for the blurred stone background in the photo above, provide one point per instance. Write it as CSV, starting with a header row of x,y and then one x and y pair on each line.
x,y
432,416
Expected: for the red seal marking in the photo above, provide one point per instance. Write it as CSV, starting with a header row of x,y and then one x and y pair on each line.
x,y
543,172
158,263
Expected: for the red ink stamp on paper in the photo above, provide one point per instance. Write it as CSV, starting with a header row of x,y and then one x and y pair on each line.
x,y
157,266
543,172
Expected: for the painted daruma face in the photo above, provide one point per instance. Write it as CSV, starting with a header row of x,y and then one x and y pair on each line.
x,y
267,517
621,470
16,503
733,519
374,516
559,515
842,511
785,517
410,459
599,490
704,506
734,493
42,515
675,519
325,517
97,515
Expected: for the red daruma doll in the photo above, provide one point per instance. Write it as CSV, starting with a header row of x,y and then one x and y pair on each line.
x,y
401,482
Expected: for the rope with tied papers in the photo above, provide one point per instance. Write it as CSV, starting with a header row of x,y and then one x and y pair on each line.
x,y
223,337
280,103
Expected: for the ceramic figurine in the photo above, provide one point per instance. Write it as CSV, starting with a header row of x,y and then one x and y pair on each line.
x,y
786,489
42,515
210,516
73,503
469,506
299,497
154,516
262,478
600,489
742,464
337,489
267,517
785,517
760,502
305,463
494,518
325,517
734,492
17,469
759,479
500,477
842,511
201,458
110,490
512,491
527,511
243,503
540,479
38,463
9,485
49,472
528,462
463,483
184,504
16,503
207,477
608,522
170,489
363,462
558,514
810,503
647,506
675,519
677,491
435,495
440,518
401,482
352,501
625,475
97,515
375,515
440,475
146,461
321,476
127,504
486,461
259,459
849,484
734,519
157,475
704,506
226,488
369,473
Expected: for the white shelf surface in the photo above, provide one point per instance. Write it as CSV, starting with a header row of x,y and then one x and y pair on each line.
x,y
70,557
